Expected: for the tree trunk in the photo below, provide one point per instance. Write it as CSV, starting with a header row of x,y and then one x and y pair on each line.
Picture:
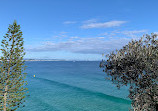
x,y
5,98
6,87
6,92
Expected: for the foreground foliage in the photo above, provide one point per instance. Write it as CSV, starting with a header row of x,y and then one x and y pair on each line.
x,y
136,65
12,77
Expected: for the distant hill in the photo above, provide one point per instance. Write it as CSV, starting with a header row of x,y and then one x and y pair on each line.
x,y
44,59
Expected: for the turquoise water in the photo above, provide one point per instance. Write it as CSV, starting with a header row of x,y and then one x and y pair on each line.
x,y
72,86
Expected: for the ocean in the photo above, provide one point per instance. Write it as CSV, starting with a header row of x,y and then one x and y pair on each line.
x,y
72,86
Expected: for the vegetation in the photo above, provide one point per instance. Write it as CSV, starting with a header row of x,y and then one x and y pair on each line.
x,y
136,65
12,90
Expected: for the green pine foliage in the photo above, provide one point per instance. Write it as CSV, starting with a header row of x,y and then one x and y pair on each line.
x,y
12,76
136,65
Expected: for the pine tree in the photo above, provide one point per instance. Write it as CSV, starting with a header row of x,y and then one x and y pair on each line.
x,y
12,76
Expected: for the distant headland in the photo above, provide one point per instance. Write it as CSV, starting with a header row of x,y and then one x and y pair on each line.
x,y
45,60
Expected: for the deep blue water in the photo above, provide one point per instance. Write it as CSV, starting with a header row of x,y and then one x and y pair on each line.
x,y
72,86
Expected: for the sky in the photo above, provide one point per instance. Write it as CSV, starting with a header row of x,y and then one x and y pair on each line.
x,y
78,29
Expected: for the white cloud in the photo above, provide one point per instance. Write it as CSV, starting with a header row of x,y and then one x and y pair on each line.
x,y
133,32
103,25
101,37
70,22
97,45
104,43
90,21
75,37
127,33
105,33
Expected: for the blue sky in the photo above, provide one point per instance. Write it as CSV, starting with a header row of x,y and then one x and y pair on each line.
x,y
78,29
